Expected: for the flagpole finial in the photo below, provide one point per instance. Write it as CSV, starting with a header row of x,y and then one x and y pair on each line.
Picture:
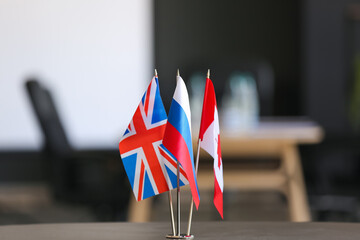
x,y
156,74
208,74
178,73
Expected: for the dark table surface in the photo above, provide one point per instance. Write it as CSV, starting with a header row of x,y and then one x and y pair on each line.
x,y
201,230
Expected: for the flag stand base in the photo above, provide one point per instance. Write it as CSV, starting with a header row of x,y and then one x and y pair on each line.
x,y
182,236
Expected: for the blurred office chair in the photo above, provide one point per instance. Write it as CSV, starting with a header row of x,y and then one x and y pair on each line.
x,y
92,178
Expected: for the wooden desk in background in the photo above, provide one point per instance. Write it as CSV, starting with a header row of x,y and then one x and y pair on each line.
x,y
273,138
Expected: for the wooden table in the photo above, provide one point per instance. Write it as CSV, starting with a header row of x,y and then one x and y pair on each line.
x,y
202,230
273,138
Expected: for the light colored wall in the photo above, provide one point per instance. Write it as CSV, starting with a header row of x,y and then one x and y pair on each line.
x,y
96,57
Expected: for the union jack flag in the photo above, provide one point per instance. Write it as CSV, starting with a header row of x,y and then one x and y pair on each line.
x,y
148,165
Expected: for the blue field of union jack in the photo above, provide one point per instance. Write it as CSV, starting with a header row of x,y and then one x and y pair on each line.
x,y
151,169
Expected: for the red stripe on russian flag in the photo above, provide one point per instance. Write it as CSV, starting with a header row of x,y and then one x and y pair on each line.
x,y
175,143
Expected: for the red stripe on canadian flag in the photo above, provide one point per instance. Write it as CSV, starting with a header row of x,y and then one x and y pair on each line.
x,y
209,136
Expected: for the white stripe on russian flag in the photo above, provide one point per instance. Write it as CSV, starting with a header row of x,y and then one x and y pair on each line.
x,y
182,97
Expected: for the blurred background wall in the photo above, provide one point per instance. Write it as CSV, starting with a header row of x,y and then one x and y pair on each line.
x,y
85,52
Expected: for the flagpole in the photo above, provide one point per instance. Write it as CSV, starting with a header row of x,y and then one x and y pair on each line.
x,y
178,188
171,213
169,195
196,170
192,200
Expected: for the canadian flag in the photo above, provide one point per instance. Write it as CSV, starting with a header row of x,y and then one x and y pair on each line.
x,y
209,136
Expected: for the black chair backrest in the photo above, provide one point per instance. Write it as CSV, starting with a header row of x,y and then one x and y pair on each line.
x,y
56,141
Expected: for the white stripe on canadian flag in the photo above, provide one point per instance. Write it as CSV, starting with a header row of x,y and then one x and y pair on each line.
x,y
211,144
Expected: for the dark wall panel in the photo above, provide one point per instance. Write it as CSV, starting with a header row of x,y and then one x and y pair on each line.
x,y
210,33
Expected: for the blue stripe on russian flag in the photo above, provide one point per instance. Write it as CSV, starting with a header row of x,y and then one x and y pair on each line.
x,y
178,119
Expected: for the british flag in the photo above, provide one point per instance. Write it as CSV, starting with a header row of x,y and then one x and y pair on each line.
x,y
148,165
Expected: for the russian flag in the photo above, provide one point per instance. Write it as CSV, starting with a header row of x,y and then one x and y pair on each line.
x,y
177,137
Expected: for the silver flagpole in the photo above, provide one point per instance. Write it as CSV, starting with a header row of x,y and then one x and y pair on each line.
x,y
196,170
172,213
192,200
170,197
178,199
178,189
